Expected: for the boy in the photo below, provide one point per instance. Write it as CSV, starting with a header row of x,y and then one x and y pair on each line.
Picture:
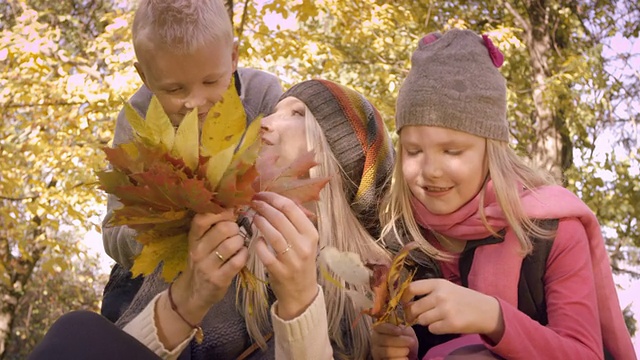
x,y
186,57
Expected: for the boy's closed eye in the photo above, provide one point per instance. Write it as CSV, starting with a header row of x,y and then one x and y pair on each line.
x,y
173,90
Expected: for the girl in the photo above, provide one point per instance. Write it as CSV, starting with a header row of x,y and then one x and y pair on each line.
x,y
461,191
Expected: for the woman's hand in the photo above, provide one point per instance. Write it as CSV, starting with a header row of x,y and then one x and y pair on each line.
x,y
447,308
292,263
391,342
216,256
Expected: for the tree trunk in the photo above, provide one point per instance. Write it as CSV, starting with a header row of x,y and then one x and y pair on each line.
x,y
20,270
6,320
553,151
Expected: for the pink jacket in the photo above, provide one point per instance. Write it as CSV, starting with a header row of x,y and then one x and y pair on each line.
x,y
582,303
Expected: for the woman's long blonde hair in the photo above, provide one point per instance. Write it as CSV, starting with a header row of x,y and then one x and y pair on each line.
x,y
338,227
509,174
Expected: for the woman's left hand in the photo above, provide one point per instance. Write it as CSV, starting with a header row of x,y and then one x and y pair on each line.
x,y
292,263
447,308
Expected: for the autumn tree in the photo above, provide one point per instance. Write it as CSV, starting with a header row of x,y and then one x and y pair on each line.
x,y
568,81
64,68
54,290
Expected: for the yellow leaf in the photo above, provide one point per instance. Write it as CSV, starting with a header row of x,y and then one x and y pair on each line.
x,y
225,123
185,145
139,125
250,137
159,124
171,251
218,164
131,149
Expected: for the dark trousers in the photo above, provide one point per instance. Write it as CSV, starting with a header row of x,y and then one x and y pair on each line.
x,y
88,335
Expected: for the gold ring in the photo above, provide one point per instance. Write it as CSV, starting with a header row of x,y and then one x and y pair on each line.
x,y
219,256
285,250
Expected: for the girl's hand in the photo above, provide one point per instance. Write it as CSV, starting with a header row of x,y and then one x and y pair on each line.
x,y
389,341
216,256
447,308
292,263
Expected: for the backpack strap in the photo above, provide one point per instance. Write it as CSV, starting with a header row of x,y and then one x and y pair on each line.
x,y
531,284
531,297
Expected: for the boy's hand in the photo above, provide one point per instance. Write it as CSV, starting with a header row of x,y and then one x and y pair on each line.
x,y
389,342
216,256
447,308
292,263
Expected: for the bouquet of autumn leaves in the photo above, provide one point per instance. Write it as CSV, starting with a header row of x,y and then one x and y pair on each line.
x,y
164,176
385,282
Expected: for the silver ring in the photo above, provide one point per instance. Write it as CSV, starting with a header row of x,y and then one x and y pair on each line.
x,y
285,250
219,256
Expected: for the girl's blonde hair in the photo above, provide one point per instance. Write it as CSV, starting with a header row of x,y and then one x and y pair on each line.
x,y
509,173
338,227
183,26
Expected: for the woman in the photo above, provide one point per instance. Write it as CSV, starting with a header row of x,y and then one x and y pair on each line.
x,y
353,148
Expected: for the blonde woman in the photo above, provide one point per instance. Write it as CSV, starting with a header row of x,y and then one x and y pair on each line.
x,y
299,315
311,318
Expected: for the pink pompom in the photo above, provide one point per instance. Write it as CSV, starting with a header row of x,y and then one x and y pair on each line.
x,y
494,53
428,39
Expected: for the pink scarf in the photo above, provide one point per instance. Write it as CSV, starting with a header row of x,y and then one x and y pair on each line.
x,y
499,266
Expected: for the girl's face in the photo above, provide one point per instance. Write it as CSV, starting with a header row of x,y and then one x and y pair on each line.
x,y
283,132
443,168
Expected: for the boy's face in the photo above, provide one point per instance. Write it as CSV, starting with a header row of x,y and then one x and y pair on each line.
x,y
182,82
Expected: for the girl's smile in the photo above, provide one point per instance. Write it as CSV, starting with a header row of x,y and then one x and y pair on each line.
x,y
443,168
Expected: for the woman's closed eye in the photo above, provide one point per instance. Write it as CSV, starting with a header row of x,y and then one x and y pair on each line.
x,y
296,112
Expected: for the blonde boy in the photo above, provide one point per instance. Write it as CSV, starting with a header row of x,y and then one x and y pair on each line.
x,y
186,56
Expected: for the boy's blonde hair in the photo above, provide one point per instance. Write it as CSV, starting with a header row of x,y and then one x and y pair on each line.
x,y
183,26
509,174
338,227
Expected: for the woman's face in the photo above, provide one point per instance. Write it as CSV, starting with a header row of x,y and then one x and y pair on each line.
x,y
283,132
443,168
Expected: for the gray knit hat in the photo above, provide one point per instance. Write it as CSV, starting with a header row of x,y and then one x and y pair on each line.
x,y
454,83
358,139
